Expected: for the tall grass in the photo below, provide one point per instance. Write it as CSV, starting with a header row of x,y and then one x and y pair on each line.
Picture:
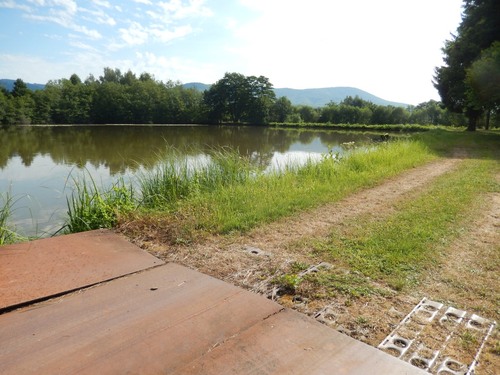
x,y
5,205
92,208
7,234
266,197
179,178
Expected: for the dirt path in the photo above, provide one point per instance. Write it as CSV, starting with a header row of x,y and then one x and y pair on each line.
x,y
231,259
254,260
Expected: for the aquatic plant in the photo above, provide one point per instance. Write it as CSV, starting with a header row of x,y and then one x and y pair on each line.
x,y
92,208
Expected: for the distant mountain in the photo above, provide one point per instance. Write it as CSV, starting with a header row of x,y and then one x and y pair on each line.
x,y
322,96
9,85
196,85
316,97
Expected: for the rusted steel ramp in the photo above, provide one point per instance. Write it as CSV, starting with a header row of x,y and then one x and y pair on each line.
x,y
160,319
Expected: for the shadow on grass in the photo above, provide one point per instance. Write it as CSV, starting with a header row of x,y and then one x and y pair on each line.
x,y
482,144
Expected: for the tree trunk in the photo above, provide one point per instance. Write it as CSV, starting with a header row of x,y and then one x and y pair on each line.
x,y
473,116
471,127
488,117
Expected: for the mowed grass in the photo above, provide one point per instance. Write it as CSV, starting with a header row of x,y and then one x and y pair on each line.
x,y
395,250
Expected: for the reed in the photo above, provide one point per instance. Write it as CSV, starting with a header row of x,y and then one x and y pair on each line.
x,y
90,207
179,178
7,233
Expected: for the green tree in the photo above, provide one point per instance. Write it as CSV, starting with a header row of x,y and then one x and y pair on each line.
x,y
307,113
478,30
4,98
399,115
20,106
111,76
281,109
483,80
381,115
20,88
237,98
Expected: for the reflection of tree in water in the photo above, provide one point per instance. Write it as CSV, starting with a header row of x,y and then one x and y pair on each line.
x,y
122,148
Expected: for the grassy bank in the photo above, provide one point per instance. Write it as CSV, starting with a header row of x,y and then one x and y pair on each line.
x,y
365,127
228,195
267,197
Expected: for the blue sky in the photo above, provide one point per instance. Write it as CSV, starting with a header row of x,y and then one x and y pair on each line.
x,y
386,47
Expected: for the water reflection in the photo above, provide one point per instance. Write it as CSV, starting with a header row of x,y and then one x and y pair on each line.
x,y
36,162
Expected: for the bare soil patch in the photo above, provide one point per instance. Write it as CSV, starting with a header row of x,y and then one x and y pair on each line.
x,y
255,260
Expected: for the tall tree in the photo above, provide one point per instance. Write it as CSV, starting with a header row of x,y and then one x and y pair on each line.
x,y
478,30
237,98
281,109
483,79
20,88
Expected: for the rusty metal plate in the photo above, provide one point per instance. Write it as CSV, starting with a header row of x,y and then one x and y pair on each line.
x,y
39,269
151,322
291,343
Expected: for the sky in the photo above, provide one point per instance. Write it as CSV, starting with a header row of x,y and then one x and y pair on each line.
x,y
386,47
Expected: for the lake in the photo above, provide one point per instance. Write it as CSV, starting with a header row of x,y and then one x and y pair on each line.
x,y
38,163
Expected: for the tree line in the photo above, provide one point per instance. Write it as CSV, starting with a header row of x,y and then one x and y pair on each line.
x,y
125,98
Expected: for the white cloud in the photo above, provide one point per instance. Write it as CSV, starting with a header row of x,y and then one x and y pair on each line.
x,y
168,35
62,19
102,3
70,5
37,2
136,34
178,10
145,2
93,34
83,46
99,17
173,68
10,4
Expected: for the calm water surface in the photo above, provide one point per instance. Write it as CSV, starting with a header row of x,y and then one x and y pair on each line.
x,y
38,164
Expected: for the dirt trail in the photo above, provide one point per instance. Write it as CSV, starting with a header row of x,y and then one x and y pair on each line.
x,y
253,260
